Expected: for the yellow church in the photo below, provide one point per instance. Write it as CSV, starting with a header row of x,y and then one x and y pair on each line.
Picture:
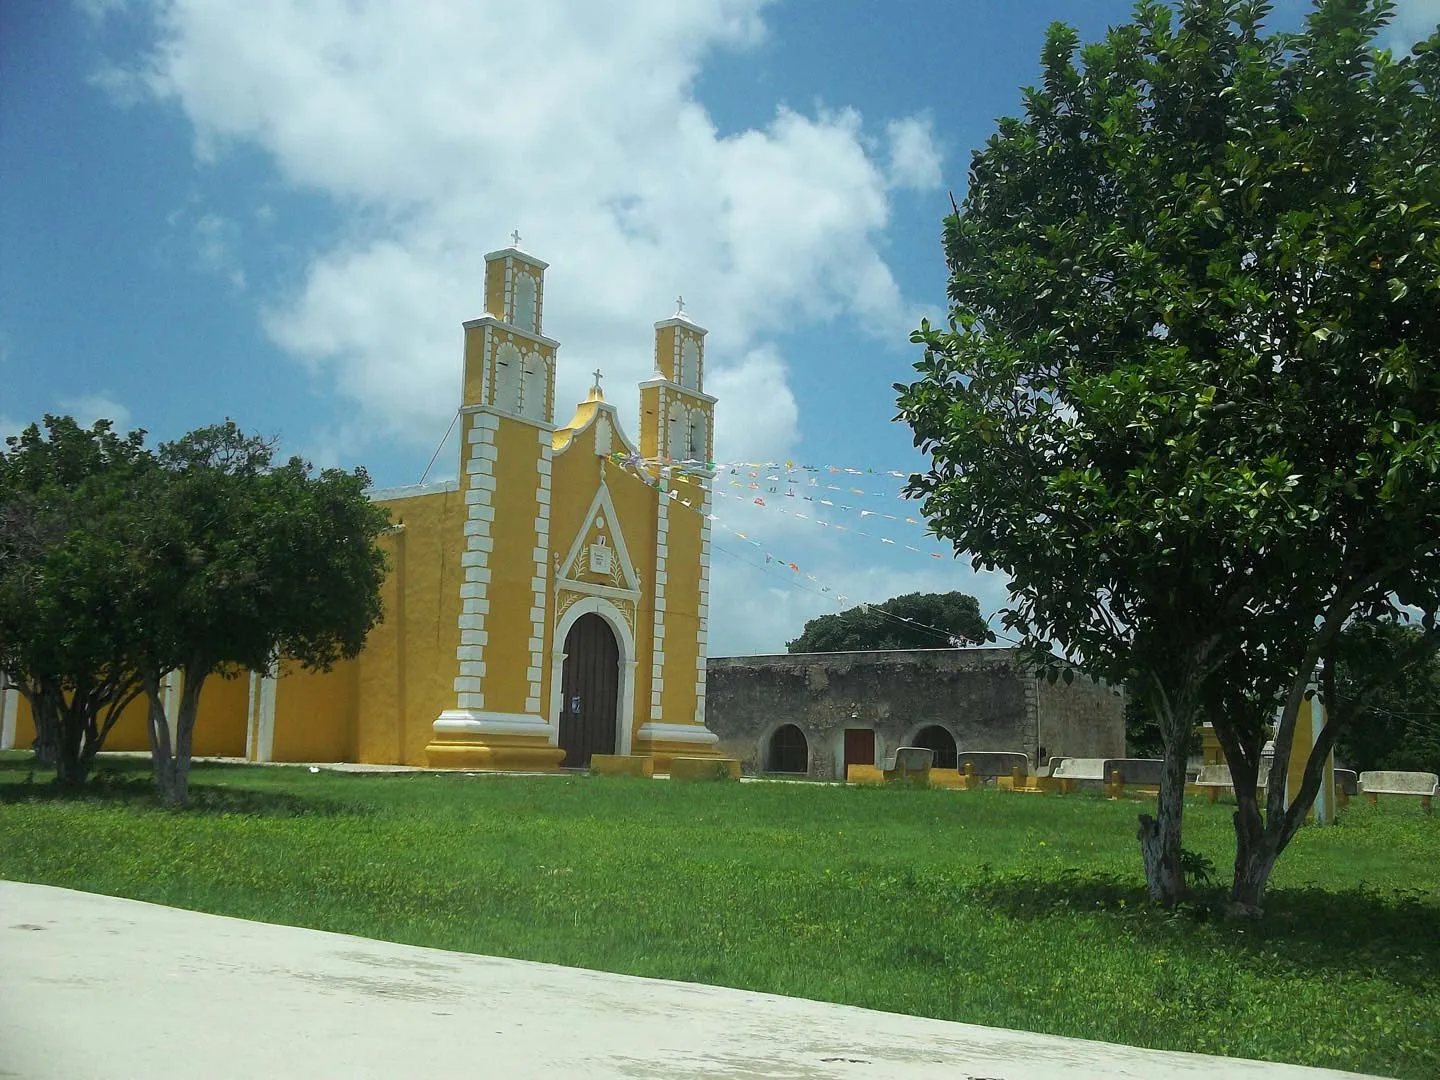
x,y
548,605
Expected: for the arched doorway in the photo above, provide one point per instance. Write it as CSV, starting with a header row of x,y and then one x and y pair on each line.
x,y
939,740
590,691
788,752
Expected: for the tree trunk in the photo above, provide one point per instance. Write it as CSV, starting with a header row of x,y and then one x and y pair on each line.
x,y
1255,855
158,730
184,737
47,727
1159,836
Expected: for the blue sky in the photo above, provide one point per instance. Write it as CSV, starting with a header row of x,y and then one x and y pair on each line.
x,y
277,211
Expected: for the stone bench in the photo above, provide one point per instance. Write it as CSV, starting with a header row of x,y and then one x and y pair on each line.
x,y
704,768
621,765
990,764
1421,785
910,764
1112,774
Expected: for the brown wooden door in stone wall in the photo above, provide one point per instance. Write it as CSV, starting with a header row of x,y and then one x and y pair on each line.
x,y
859,747
590,688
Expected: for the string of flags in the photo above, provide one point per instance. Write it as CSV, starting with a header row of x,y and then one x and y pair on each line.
x,y
771,559
770,477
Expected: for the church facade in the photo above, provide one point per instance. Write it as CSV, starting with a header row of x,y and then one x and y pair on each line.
x,y
548,605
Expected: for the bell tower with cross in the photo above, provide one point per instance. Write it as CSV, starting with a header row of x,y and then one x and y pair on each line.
x,y
676,415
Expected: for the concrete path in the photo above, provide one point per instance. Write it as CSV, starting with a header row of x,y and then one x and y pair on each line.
x,y
94,986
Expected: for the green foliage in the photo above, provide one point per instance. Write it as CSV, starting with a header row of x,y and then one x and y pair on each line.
x,y
119,565
1030,914
67,497
1189,398
912,621
1398,725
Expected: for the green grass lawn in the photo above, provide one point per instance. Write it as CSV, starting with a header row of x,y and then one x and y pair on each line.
x,y
1019,911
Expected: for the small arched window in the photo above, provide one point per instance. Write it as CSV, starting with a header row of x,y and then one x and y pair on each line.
x,y
690,364
525,302
507,378
533,387
697,443
675,437
788,752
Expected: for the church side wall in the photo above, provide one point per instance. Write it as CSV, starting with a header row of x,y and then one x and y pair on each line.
x,y
406,675
219,718
315,714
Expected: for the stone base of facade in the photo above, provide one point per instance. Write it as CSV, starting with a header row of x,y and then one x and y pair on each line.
x,y
662,742
483,742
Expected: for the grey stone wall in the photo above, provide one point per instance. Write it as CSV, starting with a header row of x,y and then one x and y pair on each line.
x,y
1084,719
980,696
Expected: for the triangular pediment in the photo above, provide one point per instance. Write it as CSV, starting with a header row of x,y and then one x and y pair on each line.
x,y
598,559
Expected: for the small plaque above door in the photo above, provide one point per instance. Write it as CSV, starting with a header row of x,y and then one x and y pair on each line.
x,y
599,559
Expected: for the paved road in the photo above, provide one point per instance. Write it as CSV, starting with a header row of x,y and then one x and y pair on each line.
x,y
94,986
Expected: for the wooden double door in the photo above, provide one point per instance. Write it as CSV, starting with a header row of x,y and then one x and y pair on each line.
x,y
590,691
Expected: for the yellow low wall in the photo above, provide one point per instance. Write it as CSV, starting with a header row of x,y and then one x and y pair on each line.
x,y
704,768
864,774
622,765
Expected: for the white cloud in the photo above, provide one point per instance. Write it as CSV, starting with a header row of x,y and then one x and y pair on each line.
x,y
9,427
215,239
1414,21
87,408
441,127
914,157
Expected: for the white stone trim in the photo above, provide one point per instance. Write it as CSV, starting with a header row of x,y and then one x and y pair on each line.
x,y
9,713
657,661
260,728
702,611
539,582
603,503
479,722
671,385
478,472
681,733
625,718
492,320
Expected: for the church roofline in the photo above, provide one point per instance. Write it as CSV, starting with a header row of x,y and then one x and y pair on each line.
x,y
514,252
493,320
681,320
673,385
410,491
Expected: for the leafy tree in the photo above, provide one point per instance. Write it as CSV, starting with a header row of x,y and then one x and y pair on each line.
x,y
67,496
913,621
241,563
1188,395
1397,726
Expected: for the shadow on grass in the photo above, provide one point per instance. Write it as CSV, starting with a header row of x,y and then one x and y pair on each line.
x,y
1390,933
129,784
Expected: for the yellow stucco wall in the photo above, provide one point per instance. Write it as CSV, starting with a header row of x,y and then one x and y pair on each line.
x,y
512,566
315,714
406,674
220,717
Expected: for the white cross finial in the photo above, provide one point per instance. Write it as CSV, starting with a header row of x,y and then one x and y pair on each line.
x,y
598,377
515,239
679,306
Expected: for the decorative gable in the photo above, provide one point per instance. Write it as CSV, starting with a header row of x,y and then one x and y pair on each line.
x,y
598,562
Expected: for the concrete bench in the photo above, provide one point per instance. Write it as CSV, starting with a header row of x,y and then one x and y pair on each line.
x,y
990,764
1213,779
1113,774
911,764
1346,785
621,765
704,768
1422,785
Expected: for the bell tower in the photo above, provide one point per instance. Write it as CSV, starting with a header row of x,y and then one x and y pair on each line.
x,y
676,415
506,462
